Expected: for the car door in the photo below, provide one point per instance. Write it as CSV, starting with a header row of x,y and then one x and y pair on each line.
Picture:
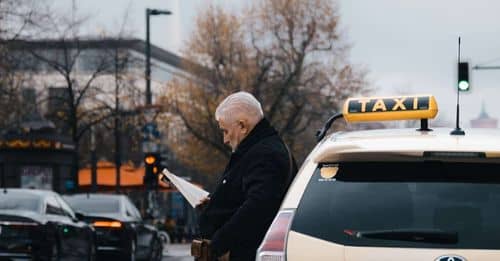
x,y
144,233
67,231
81,234
56,217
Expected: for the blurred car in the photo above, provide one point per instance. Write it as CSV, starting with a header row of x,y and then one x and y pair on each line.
x,y
120,229
392,194
39,225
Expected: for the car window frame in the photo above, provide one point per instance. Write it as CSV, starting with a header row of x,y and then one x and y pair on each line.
x,y
129,206
65,207
57,207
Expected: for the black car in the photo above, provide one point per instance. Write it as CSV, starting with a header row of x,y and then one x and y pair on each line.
x,y
40,225
120,229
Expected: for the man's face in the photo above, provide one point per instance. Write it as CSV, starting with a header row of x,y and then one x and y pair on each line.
x,y
234,132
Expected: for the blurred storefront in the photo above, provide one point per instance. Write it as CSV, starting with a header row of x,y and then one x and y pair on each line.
x,y
35,156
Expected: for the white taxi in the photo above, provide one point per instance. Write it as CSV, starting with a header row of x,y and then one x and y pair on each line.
x,y
392,194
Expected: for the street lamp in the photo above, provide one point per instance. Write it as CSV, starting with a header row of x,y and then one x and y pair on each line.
x,y
149,199
150,12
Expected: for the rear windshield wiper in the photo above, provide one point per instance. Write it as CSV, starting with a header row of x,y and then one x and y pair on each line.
x,y
436,236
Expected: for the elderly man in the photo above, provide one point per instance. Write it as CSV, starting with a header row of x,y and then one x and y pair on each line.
x,y
249,192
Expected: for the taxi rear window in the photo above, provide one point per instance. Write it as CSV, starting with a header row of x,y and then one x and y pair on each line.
x,y
403,204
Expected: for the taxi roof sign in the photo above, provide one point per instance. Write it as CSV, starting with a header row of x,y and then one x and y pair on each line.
x,y
390,108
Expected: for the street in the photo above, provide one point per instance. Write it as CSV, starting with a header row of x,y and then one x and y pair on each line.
x,y
177,252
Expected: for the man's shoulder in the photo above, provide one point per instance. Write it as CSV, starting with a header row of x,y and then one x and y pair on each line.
x,y
271,146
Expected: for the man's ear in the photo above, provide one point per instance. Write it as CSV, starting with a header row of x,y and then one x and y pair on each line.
x,y
243,124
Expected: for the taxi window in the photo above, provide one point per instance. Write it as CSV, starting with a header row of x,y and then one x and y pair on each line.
x,y
460,199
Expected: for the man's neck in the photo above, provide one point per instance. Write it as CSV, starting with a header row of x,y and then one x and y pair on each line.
x,y
250,133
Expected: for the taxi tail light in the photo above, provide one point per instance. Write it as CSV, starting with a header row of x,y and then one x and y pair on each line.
x,y
273,247
112,224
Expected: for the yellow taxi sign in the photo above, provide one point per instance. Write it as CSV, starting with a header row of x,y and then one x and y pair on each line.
x,y
390,108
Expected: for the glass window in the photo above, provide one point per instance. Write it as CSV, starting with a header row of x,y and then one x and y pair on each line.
x,y
53,207
66,208
17,201
95,204
36,177
132,209
369,204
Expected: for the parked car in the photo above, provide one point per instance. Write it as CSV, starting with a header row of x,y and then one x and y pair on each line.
x,y
120,229
39,225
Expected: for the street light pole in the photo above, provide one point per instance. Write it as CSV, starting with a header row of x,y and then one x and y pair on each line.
x,y
149,198
150,12
148,60
93,161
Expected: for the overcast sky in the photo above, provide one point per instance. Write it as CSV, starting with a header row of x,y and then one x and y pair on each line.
x,y
408,46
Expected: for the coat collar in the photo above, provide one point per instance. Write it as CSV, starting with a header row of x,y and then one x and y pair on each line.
x,y
262,130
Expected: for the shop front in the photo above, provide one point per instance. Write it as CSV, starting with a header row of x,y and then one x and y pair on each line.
x,y
38,160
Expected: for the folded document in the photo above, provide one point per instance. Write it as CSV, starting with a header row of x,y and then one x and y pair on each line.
x,y
192,193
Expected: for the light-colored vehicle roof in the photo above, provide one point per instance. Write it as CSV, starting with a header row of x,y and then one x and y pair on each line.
x,y
96,196
405,142
27,191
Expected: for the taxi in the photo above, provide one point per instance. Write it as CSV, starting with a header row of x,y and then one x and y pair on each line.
x,y
392,194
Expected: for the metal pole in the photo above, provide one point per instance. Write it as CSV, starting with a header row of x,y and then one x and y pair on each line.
x,y
3,180
93,161
458,92
457,130
148,60
118,159
149,12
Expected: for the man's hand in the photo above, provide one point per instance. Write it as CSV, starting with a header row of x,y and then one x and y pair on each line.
x,y
163,176
203,203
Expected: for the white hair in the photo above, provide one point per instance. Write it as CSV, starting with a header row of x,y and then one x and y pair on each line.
x,y
239,105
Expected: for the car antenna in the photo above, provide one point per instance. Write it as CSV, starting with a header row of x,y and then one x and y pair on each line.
x,y
457,130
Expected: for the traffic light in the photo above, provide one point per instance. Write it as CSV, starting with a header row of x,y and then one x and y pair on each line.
x,y
463,77
151,161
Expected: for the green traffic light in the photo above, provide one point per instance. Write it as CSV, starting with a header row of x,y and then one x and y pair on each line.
x,y
463,85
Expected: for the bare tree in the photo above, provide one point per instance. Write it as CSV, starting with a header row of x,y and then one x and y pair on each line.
x,y
288,53
302,72
22,18
122,99
60,56
18,18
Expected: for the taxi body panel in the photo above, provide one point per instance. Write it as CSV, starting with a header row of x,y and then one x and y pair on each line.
x,y
299,185
384,145
304,247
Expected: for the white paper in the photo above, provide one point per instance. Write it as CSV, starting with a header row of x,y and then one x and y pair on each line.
x,y
192,193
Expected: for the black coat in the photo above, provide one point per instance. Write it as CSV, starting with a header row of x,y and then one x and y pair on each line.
x,y
248,194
